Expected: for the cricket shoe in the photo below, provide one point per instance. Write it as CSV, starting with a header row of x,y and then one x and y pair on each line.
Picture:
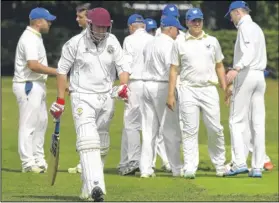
x,y
33,169
189,175
235,170
268,166
166,168
255,173
220,172
148,175
76,169
131,168
97,194
179,174
44,167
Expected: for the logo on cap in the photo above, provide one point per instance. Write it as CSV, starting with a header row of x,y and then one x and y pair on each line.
x,y
195,11
150,22
171,8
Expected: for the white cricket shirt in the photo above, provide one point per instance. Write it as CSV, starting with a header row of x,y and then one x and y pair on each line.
x,y
29,47
159,31
250,47
93,69
197,58
157,58
133,46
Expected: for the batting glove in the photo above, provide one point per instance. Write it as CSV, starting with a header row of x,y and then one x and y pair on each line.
x,y
120,92
57,108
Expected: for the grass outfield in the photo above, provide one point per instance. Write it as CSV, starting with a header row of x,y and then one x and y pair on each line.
x,y
17,186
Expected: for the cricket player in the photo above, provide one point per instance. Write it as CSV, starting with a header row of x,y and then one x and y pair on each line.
x,y
171,10
81,12
30,74
199,57
93,60
133,51
150,27
249,86
155,114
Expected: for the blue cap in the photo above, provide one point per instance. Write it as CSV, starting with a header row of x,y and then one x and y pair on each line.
x,y
150,24
170,10
194,13
135,18
38,13
171,21
235,5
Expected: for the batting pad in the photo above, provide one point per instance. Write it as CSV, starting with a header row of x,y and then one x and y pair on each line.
x,y
86,138
105,143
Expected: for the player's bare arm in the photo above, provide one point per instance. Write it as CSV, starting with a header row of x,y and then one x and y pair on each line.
x,y
37,67
172,85
221,73
62,85
124,77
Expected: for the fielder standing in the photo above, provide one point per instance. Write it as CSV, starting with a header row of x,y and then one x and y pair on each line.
x,y
249,86
199,57
133,50
156,75
30,75
93,59
160,149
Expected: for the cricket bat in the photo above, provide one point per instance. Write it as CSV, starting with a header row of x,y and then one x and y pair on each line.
x,y
54,154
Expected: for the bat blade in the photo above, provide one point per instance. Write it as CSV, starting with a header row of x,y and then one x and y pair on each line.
x,y
54,154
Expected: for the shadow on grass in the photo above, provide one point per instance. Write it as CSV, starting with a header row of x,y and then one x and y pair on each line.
x,y
54,197
10,170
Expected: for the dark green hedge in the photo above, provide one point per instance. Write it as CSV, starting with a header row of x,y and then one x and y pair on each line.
x,y
228,37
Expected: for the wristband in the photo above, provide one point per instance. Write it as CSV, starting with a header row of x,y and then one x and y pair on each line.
x,y
60,101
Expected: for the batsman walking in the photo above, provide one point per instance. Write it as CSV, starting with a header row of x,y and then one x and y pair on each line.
x,y
93,59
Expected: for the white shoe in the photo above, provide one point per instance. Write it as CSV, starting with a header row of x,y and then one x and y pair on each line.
x,y
44,167
76,169
33,169
148,175
189,175
181,174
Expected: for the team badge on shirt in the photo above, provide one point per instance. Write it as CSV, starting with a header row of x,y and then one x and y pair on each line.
x,y
79,111
110,49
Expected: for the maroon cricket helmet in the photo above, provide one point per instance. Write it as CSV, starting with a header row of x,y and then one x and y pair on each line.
x,y
99,17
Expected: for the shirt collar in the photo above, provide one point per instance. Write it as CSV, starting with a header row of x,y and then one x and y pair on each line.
x,y
189,36
34,31
246,18
166,36
139,30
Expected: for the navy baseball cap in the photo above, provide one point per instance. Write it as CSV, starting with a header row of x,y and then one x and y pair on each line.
x,y
170,10
150,24
235,5
38,13
135,18
194,13
171,21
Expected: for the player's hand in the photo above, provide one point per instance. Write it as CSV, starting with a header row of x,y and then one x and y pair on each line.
x,y
231,75
171,102
57,108
120,92
228,94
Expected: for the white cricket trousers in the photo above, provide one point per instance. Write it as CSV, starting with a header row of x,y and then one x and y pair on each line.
x,y
249,142
248,94
92,114
155,98
130,144
192,101
33,120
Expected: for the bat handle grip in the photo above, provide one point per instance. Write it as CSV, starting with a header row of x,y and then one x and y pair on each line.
x,y
57,126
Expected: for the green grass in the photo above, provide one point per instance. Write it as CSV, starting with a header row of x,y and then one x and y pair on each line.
x,y
17,186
